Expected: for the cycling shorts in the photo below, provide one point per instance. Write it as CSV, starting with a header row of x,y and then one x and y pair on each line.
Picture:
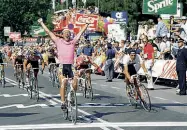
x,y
66,70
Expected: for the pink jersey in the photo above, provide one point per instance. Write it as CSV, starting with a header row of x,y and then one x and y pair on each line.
x,y
65,50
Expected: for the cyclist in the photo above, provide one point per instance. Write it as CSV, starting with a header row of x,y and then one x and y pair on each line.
x,y
65,47
82,63
2,57
51,56
32,60
19,59
130,61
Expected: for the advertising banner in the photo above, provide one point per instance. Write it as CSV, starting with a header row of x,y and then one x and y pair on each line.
x,y
160,7
15,36
120,17
37,31
115,32
82,18
165,69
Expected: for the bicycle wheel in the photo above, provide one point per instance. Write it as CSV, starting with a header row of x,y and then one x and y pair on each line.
x,y
130,94
73,107
65,111
89,90
36,89
30,88
3,80
57,81
53,79
144,97
85,89
18,77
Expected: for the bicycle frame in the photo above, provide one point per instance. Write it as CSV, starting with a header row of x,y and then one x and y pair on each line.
x,y
68,100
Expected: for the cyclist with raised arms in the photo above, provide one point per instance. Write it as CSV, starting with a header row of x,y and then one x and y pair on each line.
x,y
65,50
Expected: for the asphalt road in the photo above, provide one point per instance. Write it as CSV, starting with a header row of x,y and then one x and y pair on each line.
x,y
109,110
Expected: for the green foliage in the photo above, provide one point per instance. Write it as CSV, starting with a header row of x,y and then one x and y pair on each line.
x,y
21,14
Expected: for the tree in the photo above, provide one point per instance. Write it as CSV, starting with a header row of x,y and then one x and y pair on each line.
x,y
21,14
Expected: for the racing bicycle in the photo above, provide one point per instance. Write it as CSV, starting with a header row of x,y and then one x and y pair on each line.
x,y
70,102
32,89
84,84
138,93
54,74
19,75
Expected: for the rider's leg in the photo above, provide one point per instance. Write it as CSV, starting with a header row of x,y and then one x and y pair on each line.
x,y
88,75
62,89
43,66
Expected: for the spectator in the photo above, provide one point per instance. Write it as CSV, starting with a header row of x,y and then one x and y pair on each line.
x,y
162,48
135,47
161,29
109,66
175,48
79,50
117,48
183,31
149,57
88,49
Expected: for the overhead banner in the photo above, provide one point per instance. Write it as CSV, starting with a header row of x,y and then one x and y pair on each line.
x,y
82,18
160,6
120,17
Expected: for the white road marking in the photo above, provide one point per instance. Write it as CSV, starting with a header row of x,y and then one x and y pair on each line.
x,y
93,125
8,95
22,106
77,94
115,88
55,99
161,98
95,106
94,83
103,85
49,100
84,112
177,102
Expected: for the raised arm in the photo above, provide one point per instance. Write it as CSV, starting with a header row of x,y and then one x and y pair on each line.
x,y
81,32
52,36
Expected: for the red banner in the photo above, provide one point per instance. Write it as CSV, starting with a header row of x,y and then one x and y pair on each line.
x,y
77,22
82,18
15,36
